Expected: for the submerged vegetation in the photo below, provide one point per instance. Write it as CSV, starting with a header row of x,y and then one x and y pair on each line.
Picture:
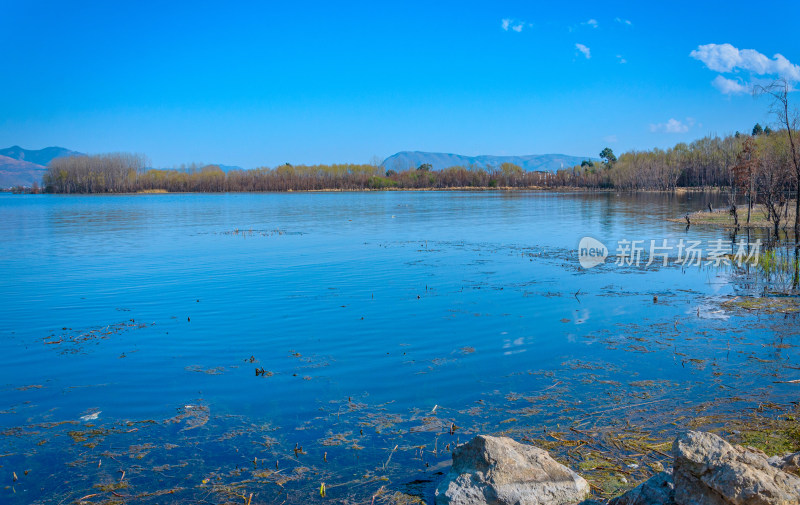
x,y
337,441
357,450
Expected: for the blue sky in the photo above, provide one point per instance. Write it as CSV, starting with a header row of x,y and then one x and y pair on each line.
x,y
260,84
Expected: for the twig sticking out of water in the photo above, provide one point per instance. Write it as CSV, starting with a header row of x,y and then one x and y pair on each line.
x,y
378,493
629,406
390,457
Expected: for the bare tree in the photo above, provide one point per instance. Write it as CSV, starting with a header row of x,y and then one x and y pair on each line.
x,y
773,176
743,174
788,118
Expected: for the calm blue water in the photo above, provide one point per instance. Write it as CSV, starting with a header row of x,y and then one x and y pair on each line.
x,y
383,319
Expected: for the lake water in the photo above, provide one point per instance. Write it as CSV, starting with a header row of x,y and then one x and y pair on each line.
x,y
389,326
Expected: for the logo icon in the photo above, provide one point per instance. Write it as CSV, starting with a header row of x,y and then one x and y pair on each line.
x,y
591,252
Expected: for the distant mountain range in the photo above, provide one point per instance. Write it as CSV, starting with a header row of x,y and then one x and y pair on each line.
x,y
534,162
38,157
23,167
15,172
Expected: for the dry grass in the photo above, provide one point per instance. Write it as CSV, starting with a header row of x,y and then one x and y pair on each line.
x,y
724,218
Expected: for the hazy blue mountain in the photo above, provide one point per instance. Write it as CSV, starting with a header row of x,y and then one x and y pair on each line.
x,y
23,167
37,156
534,162
14,172
228,168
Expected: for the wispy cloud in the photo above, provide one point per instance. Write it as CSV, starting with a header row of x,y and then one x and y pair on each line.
x,y
585,50
727,59
671,126
621,60
592,22
729,86
611,139
623,21
512,24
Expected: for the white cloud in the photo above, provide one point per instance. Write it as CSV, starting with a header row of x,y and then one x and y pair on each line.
x,y
729,86
726,59
671,126
623,21
593,23
511,24
585,50
622,60
786,68
611,139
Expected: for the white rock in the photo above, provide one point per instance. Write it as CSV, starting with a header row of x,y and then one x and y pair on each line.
x,y
500,471
710,471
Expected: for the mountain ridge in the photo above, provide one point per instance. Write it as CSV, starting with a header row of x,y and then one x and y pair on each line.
x,y
405,160
39,157
14,172
23,167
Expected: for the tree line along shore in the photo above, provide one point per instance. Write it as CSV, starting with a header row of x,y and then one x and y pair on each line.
x,y
707,162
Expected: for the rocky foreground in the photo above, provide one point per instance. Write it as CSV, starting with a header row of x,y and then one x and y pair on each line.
x,y
707,470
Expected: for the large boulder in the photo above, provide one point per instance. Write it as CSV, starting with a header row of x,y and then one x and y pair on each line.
x,y
710,471
499,471
657,490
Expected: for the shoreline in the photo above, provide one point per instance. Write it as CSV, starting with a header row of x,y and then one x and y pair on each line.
x,y
509,189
